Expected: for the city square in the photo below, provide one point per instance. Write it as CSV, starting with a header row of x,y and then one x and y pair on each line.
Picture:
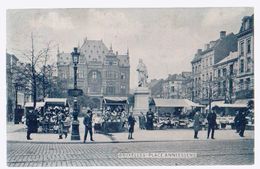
x,y
130,87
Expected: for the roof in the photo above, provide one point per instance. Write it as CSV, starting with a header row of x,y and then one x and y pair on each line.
x,y
38,104
243,101
64,58
94,50
115,100
230,57
221,48
225,105
123,60
175,103
55,101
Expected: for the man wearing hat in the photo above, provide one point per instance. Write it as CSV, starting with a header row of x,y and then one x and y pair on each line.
x,y
88,125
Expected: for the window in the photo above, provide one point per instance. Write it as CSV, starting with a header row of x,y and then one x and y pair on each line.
x,y
241,84
219,73
242,48
123,89
80,74
210,60
224,70
122,76
206,62
248,64
172,88
231,69
248,44
110,90
241,66
210,77
94,75
247,83
224,89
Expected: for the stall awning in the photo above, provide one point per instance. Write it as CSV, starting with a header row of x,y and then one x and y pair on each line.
x,y
175,103
243,101
226,105
122,100
38,104
56,101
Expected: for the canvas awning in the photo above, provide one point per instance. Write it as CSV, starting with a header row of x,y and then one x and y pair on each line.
x,y
175,103
114,100
56,101
38,104
222,104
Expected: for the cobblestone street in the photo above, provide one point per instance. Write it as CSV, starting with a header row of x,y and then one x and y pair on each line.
x,y
209,152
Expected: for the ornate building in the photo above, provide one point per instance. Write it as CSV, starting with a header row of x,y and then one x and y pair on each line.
x,y
101,72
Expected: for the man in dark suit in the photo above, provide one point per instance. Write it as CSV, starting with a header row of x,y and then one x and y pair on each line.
x,y
242,123
88,125
149,120
131,124
31,122
211,123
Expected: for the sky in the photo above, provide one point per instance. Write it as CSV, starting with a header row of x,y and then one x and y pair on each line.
x,y
166,39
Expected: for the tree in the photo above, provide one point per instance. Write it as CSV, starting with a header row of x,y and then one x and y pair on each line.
x,y
29,73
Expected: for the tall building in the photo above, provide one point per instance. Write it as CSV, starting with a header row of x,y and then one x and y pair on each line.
x,y
245,75
225,72
101,72
202,64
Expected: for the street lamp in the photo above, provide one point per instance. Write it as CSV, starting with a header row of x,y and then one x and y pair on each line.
x,y
75,123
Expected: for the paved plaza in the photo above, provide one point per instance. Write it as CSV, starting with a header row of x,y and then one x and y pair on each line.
x,y
47,150
211,152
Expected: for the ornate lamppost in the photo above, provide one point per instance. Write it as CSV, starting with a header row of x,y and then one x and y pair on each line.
x,y
75,93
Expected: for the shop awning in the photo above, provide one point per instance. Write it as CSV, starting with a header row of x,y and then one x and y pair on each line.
x,y
243,101
120,100
175,103
56,101
38,104
222,104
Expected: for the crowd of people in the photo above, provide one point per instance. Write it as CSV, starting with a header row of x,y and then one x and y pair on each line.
x,y
54,119
58,120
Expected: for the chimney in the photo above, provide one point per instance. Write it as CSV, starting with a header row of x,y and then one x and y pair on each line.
x,y
222,34
211,44
199,51
206,46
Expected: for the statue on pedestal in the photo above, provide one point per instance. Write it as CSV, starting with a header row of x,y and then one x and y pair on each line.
x,y
142,74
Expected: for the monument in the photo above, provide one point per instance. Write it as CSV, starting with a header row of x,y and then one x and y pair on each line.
x,y
141,93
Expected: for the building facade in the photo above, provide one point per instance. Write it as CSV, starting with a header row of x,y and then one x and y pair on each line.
x,y
203,65
101,72
177,86
225,73
245,75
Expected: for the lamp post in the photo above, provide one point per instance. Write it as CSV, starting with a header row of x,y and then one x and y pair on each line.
x,y
75,123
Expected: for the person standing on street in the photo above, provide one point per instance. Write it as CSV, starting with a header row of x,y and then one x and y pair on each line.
x,y
196,124
211,123
131,124
88,125
30,124
236,121
149,119
242,123
60,123
66,125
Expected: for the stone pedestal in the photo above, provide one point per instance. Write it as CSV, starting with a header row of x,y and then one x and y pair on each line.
x,y
141,104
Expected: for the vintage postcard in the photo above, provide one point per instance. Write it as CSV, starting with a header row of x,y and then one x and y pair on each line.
x,y
130,86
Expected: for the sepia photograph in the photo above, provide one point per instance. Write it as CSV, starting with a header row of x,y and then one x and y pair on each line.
x,y
142,86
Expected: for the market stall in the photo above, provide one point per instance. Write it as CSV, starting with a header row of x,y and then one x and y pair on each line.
x,y
173,112
114,113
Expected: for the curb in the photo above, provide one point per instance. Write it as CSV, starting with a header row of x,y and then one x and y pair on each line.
x,y
111,142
